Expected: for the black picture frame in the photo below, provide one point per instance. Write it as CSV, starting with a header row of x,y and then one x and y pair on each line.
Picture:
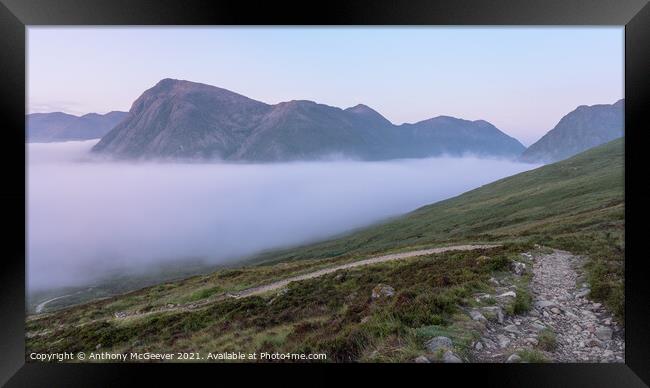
x,y
15,15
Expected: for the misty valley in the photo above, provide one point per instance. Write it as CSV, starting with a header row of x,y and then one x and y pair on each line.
x,y
98,227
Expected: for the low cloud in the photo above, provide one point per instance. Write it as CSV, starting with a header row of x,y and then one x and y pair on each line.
x,y
87,217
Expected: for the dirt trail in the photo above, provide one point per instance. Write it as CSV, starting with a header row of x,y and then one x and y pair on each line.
x,y
284,282
372,260
584,330
41,306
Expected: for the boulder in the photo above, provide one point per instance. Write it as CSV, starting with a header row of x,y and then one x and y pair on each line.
x,y
481,296
513,358
511,329
541,304
537,326
518,268
421,360
477,316
494,312
508,294
532,341
604,333
437,343
450,358
503,341
382,291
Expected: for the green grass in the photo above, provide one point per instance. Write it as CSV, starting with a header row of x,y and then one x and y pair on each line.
x,y
532,356
576,205
330,314
547,340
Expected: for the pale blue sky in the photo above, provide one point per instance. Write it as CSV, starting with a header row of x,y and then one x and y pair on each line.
x,y
523,80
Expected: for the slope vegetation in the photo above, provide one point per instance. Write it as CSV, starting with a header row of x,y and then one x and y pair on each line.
x,y
576,205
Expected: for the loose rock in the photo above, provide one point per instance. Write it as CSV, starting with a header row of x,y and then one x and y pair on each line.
x,y
422,360
382,291
440,342
451,358
513,358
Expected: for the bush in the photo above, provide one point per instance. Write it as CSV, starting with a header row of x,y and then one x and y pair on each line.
x,y
547,340
521,304
531,355
204,293
500,263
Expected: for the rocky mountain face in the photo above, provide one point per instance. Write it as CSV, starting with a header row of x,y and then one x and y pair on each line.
x,y
58,126
187,120
584,128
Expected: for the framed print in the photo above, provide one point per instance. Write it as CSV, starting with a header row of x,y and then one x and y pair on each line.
x,y
258,189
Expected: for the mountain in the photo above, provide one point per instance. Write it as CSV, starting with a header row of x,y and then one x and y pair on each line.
x,y
58,126
444,134
183,119
584,128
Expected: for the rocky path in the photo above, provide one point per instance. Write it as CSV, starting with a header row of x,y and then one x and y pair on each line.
x,y
563,324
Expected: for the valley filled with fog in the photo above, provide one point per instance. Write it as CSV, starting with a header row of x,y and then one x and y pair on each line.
x,y
88,217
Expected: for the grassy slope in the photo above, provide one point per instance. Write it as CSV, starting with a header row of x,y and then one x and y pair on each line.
x,y
333,314
576,205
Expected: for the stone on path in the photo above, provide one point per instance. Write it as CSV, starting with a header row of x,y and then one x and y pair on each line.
x,y
604,333
508,294
477,316
422,360
513,358
451,358
440,342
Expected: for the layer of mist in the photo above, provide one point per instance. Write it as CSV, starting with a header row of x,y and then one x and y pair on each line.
x,y
88,217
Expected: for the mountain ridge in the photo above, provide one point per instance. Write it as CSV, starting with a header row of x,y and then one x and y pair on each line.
x,y
184,119
60,126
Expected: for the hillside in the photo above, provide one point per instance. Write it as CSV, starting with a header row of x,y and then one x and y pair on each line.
x,y
576,204
579,130
188,120
546,205
353,315
58,126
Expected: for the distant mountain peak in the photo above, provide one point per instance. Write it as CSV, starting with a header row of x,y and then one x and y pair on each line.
x,y
442,119
585,127
365,110
361,108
